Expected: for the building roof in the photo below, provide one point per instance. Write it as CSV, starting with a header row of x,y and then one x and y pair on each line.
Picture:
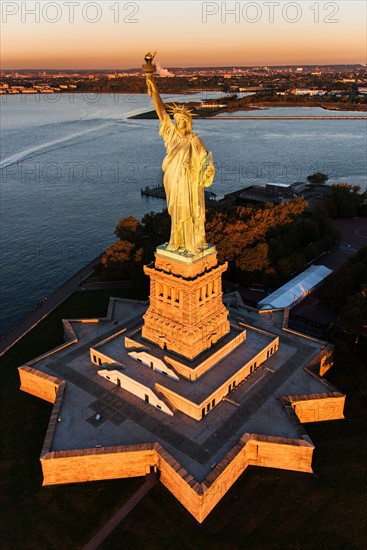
x,y
296,289
280,184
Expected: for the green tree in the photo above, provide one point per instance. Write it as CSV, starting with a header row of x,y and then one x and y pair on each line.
x,y
348,281
311,251
345,200
155,228
298,261
340,290
358,272
284,268
308,232
318,178
354,311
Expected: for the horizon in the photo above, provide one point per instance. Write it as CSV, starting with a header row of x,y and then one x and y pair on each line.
x,y
93,35
189,67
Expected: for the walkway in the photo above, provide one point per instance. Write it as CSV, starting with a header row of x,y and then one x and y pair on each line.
x,y
40,312
96,541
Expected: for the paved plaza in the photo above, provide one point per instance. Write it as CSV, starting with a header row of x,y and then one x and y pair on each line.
x,y
96,412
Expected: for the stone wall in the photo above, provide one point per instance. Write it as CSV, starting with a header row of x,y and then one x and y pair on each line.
x,y
282,453
96,464
39,384
318,408
198,498
179,482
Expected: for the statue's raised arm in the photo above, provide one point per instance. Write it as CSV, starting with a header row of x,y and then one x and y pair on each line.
x,y
149,69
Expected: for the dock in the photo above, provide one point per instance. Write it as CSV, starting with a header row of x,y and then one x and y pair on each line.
x,y
158,192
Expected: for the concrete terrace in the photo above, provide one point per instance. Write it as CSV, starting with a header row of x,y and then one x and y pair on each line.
x,y
194,391
253,407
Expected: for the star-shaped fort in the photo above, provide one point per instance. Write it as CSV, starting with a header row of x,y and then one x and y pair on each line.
x,y
182,386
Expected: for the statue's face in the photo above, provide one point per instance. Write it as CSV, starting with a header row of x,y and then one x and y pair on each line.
x,y
182,124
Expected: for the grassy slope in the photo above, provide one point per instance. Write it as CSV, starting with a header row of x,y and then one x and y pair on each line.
x,y
265,508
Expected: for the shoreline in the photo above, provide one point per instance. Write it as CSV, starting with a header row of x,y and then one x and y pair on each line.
x,y
261,105
152,115
38,313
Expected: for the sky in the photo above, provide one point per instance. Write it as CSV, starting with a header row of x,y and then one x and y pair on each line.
x,y
83,34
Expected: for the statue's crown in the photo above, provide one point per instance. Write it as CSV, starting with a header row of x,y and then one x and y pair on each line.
x,y
175,109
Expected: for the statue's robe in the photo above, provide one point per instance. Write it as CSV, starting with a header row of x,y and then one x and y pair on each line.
x,y
184,180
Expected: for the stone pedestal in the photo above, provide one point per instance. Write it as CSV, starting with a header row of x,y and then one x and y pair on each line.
x,y
186,313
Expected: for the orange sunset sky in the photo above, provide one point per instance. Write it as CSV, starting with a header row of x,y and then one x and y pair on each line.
x,y
110,34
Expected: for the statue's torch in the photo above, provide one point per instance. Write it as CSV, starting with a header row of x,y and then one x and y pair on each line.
x,y
149,67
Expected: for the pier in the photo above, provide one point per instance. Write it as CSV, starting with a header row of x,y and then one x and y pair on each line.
x,y
158,192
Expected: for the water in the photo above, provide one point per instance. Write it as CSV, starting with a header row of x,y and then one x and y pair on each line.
x,y
294,111
72,166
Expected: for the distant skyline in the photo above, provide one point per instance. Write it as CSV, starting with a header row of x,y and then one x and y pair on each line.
x,y
53,70
116,35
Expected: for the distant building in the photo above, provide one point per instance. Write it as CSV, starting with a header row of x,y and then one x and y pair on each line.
x,y
277,193
285,189
273,192
211,105
307,91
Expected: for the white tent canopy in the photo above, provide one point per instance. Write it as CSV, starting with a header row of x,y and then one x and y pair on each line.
x,y
296,289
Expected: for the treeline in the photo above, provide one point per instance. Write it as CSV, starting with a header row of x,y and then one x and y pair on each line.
x,y
269,243
269,98
137,85
347,292
137,241
183,84
345,201
263,244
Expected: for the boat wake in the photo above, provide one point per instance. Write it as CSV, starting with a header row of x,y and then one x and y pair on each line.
x,y
44,144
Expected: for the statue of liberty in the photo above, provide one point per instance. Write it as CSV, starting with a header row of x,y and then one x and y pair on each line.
x,y
188,169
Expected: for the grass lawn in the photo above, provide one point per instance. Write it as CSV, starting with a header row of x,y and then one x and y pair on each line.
x,y
265,509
